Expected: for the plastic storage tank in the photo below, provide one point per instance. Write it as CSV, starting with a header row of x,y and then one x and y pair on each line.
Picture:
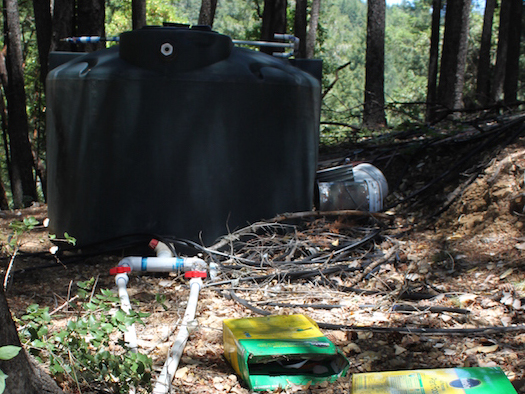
x,y
177,132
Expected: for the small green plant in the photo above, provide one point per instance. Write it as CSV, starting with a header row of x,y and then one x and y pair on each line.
x,y
7,353
81,350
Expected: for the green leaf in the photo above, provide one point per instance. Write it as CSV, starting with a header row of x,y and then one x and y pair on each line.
x,y
3,377
8,352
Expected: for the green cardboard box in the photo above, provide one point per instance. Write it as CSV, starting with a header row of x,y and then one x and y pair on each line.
x,y
274,352
478,380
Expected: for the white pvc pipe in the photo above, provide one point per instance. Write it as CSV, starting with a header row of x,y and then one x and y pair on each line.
x,y
170,366
130,336
163,264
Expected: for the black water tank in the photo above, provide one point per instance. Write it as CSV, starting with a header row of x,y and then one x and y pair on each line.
x,y
177,132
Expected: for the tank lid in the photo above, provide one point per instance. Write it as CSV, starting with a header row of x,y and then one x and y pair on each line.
x,y
174,47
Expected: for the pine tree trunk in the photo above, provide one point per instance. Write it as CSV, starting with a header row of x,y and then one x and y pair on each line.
x,y
510,87
454,55
312,28
23,184
433,61
483,79
207,12
138,14
374,109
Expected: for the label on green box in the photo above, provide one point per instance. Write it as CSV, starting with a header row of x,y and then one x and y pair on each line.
x,y
434,381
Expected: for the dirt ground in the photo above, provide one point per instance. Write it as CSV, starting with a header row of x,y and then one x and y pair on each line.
x,y
444,266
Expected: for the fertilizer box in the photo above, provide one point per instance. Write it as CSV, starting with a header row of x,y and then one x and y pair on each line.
x,y
275,352
434,381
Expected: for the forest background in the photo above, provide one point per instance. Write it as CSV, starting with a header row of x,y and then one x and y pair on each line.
x,y
341,43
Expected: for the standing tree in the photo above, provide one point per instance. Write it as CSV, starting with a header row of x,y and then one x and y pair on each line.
x,y
273,21
62,25
43,22
207,12
300,24
23,184
483,79
374,108
501,56
433,61
312,28
138,14
454,55
512,67
91,16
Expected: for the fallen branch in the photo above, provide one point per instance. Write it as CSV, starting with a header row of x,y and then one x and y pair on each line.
x,y
318,214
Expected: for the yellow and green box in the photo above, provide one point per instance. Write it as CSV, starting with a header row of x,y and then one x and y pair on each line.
x,y
274,352
478,380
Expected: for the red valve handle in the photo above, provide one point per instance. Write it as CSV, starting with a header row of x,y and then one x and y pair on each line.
x,y
119,270
195,274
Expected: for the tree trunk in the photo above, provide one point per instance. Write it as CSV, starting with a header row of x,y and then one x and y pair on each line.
x,y
207,12
510,87
300,25
454,56
483,79
4,204
312,28
42,11
91,16
138,14
501,56
374,109
274,21
63,16
433,61
23,377
23,184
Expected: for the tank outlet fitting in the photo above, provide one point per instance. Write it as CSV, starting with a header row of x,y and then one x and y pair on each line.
x,y
160,248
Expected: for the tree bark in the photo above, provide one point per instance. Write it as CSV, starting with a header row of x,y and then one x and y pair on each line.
x,y
138,14
300,25
483,79
512,68
23,184
433,61
4,204
91,16
42,11
274,21
501,56
207,12
454,55
374,109
63,15
312,28
23,376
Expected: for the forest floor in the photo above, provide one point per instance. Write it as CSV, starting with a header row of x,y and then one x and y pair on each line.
x,y
438,283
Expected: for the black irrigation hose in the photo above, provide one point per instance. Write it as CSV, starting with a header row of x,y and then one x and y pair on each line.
x,y
400,330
